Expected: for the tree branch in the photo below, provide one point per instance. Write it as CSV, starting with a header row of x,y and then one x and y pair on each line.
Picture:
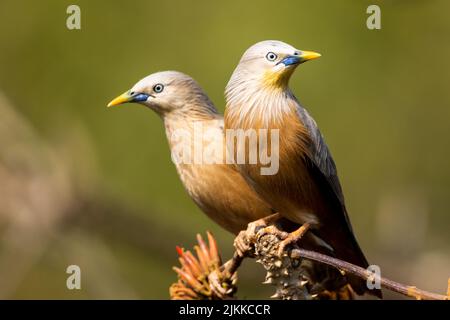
x,y
283,270
410,291
202,277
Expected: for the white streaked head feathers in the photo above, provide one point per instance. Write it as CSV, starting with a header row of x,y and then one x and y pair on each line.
x,y
260,50
180,94
258,88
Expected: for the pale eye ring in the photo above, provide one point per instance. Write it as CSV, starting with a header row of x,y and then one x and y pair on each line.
x,y
271,56
158,88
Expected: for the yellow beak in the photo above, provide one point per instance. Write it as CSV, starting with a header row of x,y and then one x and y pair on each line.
x,y
123,98
309,55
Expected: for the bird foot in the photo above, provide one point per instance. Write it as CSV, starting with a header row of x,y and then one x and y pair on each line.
x,y
245,240
291,237
273,230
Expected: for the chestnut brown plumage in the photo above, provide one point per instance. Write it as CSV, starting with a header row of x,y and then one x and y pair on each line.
x,y
306,188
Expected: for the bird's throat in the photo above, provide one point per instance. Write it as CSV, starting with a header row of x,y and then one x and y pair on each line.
x,y
276,80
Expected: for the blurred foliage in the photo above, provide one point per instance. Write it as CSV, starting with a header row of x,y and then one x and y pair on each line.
x,y
380,97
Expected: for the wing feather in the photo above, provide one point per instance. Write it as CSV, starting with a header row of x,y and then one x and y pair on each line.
x,y
320,157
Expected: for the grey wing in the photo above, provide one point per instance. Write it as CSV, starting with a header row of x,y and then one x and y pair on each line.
x,y
321,158
324,170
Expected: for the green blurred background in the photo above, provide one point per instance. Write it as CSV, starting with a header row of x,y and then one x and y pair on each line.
x,y
83,184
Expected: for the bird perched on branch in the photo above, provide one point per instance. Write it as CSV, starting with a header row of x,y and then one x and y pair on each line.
x,y
216,186
191,121
306,188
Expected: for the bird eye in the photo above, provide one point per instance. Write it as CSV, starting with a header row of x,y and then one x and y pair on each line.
x,y
131,93
271,56
158,88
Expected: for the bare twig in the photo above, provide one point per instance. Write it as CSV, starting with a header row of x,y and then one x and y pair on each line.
x,y
234,263
410,291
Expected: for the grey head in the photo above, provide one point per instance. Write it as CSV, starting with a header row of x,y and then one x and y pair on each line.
x,y
169,93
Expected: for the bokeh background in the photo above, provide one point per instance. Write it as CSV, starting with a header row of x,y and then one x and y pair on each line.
x,y
86,185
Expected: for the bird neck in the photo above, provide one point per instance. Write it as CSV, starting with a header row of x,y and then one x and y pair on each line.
x,y
186,131
254,103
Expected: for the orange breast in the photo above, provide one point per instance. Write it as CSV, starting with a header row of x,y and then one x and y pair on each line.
x,y
291,191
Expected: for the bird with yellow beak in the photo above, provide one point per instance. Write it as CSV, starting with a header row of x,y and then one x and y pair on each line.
x,y
306,188
217,188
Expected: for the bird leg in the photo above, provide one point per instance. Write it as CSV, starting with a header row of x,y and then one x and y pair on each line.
x,y
245,240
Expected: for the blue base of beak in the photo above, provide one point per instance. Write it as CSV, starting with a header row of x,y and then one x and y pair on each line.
x,y
290,60
140,97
